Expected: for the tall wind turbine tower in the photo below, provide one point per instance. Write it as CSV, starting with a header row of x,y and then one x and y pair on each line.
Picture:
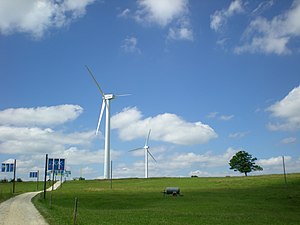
x,y
147,152
106,98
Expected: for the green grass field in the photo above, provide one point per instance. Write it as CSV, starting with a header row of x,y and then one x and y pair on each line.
x,y
230,200
6,189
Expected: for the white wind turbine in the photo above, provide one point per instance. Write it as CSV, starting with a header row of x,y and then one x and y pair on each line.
x,y
105,104
147,152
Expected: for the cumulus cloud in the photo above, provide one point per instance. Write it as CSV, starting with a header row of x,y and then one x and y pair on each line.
x,y
173,164
287,111
161,12
207,159
171,14
165,127
272,36
27,140
40,116
27,130
36,16
130,45
220,17
273,161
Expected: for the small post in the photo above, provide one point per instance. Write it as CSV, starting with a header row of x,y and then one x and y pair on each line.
x,y
50,202
53,180
111,174
45,178
61,175
37,180
15,168
284,173
75,210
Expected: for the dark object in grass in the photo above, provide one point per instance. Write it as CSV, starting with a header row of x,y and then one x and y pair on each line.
x,y
174,191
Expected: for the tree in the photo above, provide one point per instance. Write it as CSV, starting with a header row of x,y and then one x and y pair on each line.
x,y
244,163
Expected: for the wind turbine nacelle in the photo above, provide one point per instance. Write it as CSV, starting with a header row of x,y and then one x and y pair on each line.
x,y
109,96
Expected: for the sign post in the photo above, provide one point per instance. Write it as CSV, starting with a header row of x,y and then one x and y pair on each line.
x,y
45,178
10,167
35,175
14,168
284,173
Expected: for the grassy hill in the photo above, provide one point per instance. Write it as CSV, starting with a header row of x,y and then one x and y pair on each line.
x,y
21,187
230,200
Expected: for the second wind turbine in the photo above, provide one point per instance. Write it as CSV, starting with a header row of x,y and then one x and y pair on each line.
x,y
146,152
105,104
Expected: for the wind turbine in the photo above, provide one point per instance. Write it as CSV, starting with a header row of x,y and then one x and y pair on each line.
x,y
106,98
147,152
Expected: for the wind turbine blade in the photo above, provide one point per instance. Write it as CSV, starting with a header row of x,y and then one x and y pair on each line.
x,y
100,117
151,155
90,72
146,143
135,149
123,95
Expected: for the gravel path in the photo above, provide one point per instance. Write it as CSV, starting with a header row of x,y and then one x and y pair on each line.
x,y
20,210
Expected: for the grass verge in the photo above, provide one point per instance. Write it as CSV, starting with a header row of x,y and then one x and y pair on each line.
x,y
6,189
231,200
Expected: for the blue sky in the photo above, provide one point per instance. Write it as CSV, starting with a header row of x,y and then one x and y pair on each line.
x,y
209,78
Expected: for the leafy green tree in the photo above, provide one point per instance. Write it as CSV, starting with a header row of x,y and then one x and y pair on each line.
x,y
244,163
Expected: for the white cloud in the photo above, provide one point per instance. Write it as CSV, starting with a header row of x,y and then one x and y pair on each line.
x,y
161,12
289,140
273,161
288,110
125,13
207,159
238,135
26,140
226,117
173,14
220,17
215,115
26,130
173,164
165,127
130,45
182,31
264,5
36,16
212,115
272,36
40,116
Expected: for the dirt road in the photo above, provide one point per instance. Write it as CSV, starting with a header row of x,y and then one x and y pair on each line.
x,y
20,210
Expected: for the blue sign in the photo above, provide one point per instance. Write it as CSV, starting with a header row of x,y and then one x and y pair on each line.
x,y
33,174
50,164
11,167
7,167
56,164
62,164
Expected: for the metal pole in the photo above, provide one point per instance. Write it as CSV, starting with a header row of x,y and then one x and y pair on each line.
x,y
15,168
107,141
53,180
75,210
45,178
111,174
61,174
37,180
283,164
